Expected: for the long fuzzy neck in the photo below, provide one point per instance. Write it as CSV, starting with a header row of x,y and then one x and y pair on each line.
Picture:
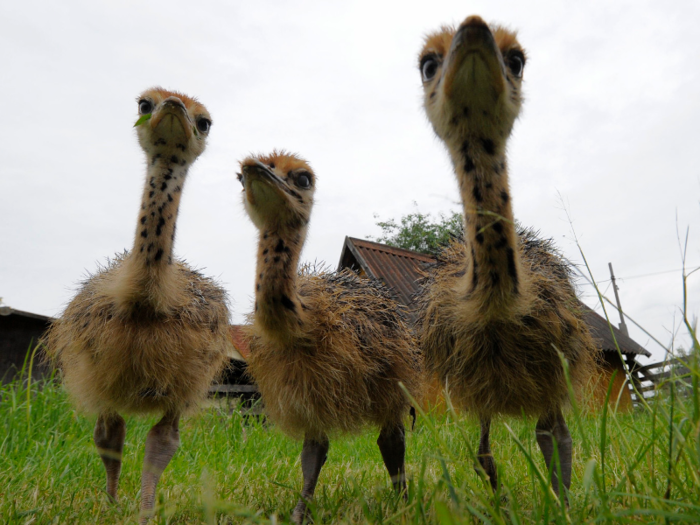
x,y
278,309
495,276
155,231
148,272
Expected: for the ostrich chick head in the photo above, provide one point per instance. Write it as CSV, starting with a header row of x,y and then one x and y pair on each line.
x,y
278,191
472,80
172,126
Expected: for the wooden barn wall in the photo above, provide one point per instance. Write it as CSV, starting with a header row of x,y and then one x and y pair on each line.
x,y
611,364
17,335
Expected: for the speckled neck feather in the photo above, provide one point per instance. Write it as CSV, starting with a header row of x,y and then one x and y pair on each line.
x,y
155,231
148,272
482,172
278,309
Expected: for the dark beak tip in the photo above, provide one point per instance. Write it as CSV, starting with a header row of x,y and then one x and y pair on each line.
x,y
474,28
260,165
475,21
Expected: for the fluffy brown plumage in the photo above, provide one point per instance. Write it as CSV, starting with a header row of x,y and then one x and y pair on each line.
x,y
509,365
342,372
147,333
141,361
328,350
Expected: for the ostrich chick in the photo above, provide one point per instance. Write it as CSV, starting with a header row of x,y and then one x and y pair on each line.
x,y
147,334
327,351
499,305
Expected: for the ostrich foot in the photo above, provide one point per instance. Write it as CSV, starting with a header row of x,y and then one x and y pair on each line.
x,y
161,443
486,461
110,431
313,456
552,431
392,445
488,464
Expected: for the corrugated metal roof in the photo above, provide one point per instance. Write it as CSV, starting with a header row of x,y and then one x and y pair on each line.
x,y
600,329
397,267
236,333
400,270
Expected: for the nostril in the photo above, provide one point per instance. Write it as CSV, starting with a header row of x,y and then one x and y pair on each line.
x,y
174,101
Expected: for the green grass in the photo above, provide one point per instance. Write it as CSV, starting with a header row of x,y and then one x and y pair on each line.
x,y
641,467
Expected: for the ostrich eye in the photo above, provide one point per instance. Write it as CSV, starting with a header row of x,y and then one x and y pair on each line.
x,y
203,125
428,67
145,106
303,180
516,63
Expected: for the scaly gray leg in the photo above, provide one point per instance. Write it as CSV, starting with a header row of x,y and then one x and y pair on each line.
x,y
110,431
392,445
161,443
485,457
554,426
313,456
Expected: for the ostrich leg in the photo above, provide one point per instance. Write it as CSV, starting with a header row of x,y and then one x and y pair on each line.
x,y
485,457
392,445
313,456
110,431
161,443
554,426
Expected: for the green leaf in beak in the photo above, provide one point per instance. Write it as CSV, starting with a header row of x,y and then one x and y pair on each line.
x,y
142,119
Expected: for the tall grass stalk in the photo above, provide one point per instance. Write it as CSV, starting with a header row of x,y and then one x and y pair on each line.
x,y
641,466
234,469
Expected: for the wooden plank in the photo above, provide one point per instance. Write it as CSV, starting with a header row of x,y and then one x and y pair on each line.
x,y
679,384
233,389
662,364
655,378
649,368
673,375
647,376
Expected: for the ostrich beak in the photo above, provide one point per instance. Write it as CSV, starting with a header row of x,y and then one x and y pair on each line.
x,y
474,61
259,181
172,118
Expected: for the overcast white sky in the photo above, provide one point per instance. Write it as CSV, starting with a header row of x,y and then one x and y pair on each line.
x,y
610,124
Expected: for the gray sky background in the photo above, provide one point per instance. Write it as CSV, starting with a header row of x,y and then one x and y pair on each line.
x,y
609,133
